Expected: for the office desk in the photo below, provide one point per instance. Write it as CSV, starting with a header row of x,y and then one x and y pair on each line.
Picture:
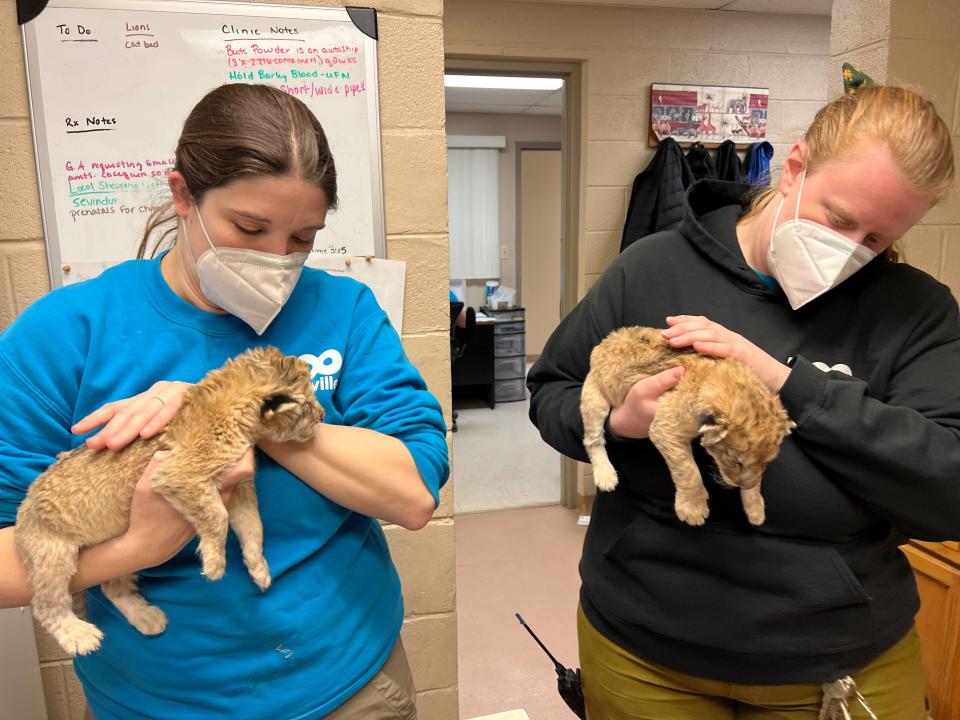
x,y
473,371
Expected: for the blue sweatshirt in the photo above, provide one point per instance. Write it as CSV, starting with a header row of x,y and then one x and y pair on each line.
x,y
334,611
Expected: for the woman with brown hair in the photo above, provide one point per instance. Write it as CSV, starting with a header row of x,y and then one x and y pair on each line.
x,y
253,182
732,621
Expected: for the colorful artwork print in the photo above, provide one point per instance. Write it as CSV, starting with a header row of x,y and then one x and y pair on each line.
x,y
704,113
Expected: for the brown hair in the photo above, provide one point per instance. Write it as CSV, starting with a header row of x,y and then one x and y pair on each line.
x,y
897,117
240,130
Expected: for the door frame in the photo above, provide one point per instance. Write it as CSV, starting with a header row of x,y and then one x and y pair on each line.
x,y
573,186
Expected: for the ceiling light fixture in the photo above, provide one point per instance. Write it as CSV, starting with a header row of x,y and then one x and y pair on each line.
x,y
494,82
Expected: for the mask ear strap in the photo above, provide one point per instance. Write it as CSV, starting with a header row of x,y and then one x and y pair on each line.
x,y
776,217
206,235
186,234
186,239
796,213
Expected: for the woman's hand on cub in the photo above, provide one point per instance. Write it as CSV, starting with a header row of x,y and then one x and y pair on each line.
x,y
142,415
710,338
632,418
157,531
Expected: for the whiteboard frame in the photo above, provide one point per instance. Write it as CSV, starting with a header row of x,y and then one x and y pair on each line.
x,y
199,7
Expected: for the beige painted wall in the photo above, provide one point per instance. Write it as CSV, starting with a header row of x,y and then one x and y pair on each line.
x,y
916,44
532,128
415,183
540,213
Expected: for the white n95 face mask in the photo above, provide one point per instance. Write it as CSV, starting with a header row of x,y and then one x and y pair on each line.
x,y
249,284
808,259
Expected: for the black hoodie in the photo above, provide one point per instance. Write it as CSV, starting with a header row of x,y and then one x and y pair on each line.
x,y
821,588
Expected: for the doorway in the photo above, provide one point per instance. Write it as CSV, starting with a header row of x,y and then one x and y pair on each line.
x,y
517,545
572,183
504,137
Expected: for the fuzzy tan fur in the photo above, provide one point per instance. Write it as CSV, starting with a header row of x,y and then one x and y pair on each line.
x,y
84,498
740,422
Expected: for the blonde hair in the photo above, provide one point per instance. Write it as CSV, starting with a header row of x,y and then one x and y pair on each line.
x,y
889,115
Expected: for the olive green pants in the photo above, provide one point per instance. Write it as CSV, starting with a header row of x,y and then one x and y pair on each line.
x,y
620,686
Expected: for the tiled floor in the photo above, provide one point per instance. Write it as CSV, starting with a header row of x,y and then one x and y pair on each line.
x,y
516,561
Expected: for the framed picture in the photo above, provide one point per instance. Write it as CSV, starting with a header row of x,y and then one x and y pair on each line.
x,y
708,114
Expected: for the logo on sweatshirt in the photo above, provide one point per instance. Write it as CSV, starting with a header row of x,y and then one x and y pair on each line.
x,y
841,368
323,367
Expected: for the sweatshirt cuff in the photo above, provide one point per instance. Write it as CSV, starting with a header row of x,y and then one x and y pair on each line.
x,y
804,391
432,463
612,438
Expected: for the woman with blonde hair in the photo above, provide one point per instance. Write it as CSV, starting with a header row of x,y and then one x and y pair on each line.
x,y
732,621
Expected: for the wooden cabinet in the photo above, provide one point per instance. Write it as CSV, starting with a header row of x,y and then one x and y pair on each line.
x,y
937,569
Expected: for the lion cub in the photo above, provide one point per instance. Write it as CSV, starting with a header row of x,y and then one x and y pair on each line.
x,y
84,497
741,423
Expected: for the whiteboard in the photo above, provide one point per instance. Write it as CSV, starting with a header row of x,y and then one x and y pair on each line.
x,y
112,81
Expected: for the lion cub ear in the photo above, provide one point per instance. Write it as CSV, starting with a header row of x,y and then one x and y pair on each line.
x,y
711,432
274,404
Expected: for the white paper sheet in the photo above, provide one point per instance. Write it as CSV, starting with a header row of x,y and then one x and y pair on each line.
x,y
386,278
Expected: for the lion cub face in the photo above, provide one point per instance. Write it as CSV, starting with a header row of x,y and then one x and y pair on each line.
x,y
742,450
289,410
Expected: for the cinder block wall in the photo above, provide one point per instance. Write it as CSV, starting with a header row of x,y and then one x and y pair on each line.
x,y
924,47
859,35
918,45
624,50
415,183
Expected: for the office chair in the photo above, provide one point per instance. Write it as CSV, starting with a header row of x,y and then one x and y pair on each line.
x,y
459,339
455,309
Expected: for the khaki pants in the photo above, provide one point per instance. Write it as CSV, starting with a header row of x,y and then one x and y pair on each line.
x,y
390,694
620,686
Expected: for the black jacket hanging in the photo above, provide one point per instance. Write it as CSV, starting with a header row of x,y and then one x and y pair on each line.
x,y
658,195
700,162
728,163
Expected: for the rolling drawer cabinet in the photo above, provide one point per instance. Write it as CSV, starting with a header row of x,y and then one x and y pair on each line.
x,y
509,354
937,569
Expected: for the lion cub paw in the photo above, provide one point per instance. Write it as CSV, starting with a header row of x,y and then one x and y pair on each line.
x,y
604,477
149,619
78,637
692,508
755,509
214,567
259,573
